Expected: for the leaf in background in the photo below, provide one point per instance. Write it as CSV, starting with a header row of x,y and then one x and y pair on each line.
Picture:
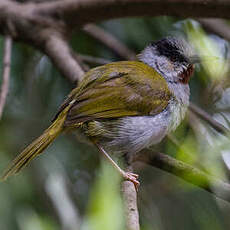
x,y
209,50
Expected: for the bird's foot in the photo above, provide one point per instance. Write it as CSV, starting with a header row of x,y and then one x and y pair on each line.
x,y
131,177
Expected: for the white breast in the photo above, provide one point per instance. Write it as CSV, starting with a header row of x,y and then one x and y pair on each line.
x,y
179,104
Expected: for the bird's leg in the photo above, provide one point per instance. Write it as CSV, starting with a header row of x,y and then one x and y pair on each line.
x,y
126,175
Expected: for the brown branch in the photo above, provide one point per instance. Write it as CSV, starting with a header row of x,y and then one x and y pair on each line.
x,y
110,41
78,12
186,172
81,62
216,26
5,72
206,117
61,55
25,21
130,203
34,22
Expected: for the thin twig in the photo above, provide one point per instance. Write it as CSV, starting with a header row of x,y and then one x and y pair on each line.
x,y
110,41
206,117
186,172
216,26
173,139
5,72
57,189
81,61
130,204
94,60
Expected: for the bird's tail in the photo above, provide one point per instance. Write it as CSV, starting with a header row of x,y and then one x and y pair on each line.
x,y
36,147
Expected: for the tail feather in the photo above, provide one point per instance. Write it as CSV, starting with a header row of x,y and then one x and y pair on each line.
x,y
36,147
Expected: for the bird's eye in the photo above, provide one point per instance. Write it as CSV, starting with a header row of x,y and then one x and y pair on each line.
x,y
173,58
177,58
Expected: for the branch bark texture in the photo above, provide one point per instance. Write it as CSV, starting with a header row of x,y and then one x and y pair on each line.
x,y
206,117
110,41
97,10
130,202
59,52
186,172
217,26
25,20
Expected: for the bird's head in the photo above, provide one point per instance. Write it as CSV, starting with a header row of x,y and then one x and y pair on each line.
x,y
171,57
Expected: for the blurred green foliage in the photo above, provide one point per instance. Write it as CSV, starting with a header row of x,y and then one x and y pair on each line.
x,y
105,206
85,192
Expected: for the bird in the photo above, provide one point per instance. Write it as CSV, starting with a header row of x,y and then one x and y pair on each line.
x,y
125,106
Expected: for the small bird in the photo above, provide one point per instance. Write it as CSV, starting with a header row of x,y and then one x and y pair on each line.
x,y
123,107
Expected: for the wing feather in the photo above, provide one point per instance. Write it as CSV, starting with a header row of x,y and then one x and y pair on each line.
x,y
128,88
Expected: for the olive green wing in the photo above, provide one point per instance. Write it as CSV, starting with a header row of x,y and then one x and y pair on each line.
x,y
116,90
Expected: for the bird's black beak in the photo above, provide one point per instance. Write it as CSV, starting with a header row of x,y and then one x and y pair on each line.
x,y
195,59
203,58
